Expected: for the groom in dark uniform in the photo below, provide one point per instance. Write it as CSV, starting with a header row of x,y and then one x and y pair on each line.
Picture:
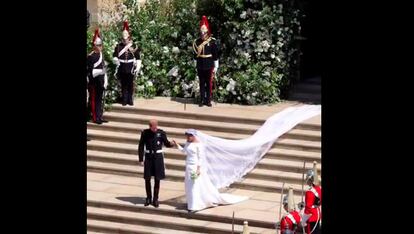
x,y
153,139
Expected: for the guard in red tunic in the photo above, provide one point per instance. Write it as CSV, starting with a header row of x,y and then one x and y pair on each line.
x,y
291,221
127,58
97,79
313,202
206,56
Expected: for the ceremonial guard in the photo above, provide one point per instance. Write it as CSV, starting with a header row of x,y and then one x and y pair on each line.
x,y
290,222
206,56
127,58
152,140
97,79
313,201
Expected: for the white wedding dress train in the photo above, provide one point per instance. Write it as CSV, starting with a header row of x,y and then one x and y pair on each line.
x,y
223,161
200,192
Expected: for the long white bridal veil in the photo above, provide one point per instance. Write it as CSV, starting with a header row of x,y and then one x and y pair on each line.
x,y
228,161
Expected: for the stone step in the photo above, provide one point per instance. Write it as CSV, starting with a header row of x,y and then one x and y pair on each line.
x,y
182,123
126,193
133,138
175,169
275,175
183,222
264,163
295,144
275,153
135,128
98,226
200,125
267,182
117,108
303,134
187,115
266,186
109,188
285,165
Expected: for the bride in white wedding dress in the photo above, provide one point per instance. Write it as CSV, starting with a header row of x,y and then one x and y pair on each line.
x,y
213,163
199,191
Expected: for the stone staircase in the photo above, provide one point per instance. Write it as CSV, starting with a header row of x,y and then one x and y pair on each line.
x,y
116,190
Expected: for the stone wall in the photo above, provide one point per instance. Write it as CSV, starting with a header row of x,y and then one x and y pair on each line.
x,y
94,6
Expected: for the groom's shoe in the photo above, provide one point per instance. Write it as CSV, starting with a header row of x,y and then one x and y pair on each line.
x,y
155,203
147,201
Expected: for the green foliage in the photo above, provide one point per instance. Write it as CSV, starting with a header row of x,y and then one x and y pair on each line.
x,y
255,38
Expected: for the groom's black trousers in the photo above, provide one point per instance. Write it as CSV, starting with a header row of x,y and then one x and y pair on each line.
x,y
156,188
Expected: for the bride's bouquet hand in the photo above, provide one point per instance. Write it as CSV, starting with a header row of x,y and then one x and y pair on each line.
x,y
195,174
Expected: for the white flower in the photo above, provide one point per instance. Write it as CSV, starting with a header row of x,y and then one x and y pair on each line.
x,y
175,35
278,59
165,49
243,15
246,55
238,98
185,86
175,50
254,94
260,50
157,63
279,31
230,86
173,71
233,92
235,61
265,44
247,33
166,93
140,87
266,73
239,42
152,22
149,83
272,56
248,97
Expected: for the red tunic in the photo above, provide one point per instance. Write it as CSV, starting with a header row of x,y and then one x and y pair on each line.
x,y
289,222
313,201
